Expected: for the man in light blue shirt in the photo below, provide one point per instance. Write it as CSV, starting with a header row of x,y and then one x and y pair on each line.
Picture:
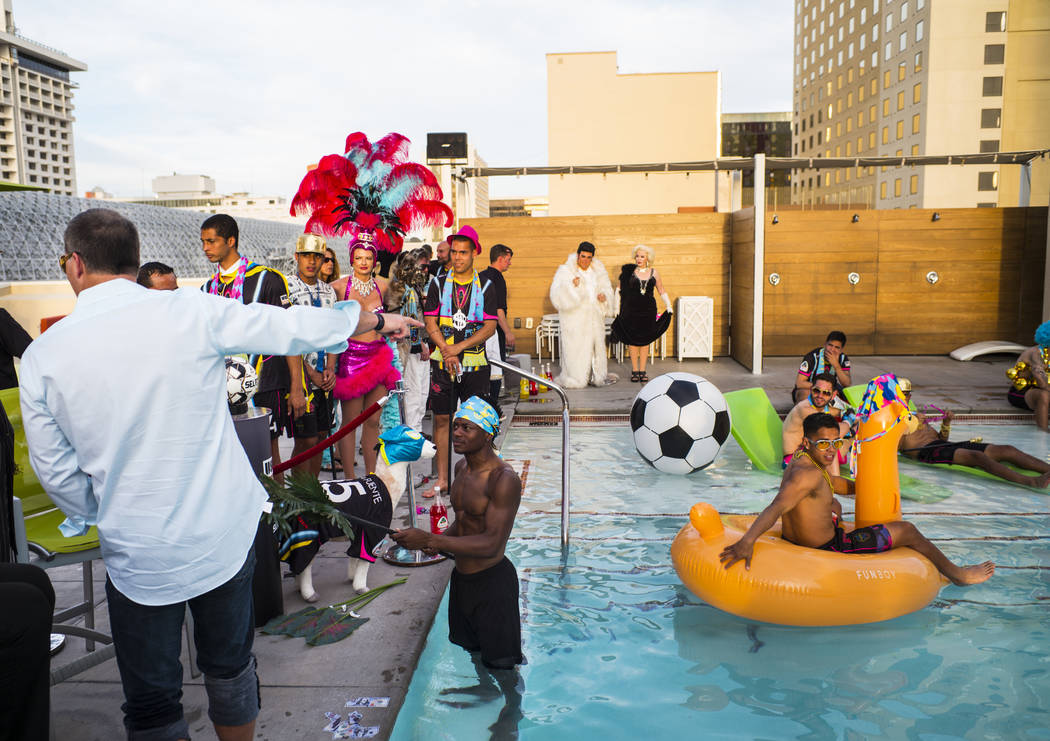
x,y
124,407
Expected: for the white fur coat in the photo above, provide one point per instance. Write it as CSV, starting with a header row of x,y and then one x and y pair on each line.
x,y
582,319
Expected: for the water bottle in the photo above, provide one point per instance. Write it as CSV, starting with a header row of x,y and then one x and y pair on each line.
x,y
438,516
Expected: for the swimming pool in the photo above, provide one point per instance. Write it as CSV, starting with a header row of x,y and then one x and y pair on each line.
x,y
618,648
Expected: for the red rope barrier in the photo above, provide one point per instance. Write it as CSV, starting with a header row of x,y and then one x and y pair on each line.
x,y
338,435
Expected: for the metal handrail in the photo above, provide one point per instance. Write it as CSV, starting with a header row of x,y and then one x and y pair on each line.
x,y
564,441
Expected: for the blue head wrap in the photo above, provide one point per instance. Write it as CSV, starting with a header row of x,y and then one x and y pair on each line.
x,y
1042,335
401,444
480,412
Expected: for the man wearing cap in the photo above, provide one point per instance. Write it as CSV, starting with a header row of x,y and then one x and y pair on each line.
x,y
582,294
313,374
483,610
460,316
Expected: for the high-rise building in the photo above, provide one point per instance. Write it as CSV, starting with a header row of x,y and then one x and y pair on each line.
x,y
748,134
920,77
36,111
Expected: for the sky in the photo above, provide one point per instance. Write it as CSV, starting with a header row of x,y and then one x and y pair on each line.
x,y
249,93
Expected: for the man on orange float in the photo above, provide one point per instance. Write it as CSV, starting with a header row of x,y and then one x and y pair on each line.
x,y
811,514
819,400
927,446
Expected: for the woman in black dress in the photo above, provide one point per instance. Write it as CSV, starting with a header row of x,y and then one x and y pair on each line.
x,y
638,324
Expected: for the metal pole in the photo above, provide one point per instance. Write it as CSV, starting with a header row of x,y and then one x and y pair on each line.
x,y
760,263
397,555
565,498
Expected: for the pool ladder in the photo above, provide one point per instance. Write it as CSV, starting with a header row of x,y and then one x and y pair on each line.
x,y
507,367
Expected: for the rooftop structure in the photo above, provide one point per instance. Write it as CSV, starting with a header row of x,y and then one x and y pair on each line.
x,y
36,111
919,77
597,116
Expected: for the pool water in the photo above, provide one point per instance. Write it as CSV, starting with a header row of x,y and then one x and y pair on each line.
x,y
617,648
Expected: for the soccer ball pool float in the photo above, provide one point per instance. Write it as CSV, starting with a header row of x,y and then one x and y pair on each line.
x,y
680,423
241,381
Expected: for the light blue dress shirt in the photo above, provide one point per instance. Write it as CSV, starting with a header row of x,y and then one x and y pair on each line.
x,y
125,413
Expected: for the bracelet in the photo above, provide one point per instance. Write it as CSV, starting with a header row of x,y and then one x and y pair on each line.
x,y
380,323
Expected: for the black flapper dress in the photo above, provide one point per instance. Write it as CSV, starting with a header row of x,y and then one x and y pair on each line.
x,y
637,323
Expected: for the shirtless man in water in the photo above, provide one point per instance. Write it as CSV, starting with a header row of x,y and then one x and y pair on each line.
x,y
810,513
483,594
821,394
927,446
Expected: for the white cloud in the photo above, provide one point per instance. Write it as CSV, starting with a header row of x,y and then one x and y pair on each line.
x,y
250,92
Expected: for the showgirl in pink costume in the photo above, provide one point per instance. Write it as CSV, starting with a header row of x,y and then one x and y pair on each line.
x,y
366,370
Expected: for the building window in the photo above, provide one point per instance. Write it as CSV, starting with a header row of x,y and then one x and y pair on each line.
x,y
871,114
914,149
902,71
915,124
989,145
900,129
888,51
918,31
882,189
992,86
988,181
889,21
916,93
918,61
871,140
994,53
900,101
991,118
903,42
885,134
904,11
875,59
995,22
897,188
887,80
885,106
986,205
913,184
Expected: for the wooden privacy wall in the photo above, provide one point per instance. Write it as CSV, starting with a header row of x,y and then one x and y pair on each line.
x,y
692,257
989,265
743,290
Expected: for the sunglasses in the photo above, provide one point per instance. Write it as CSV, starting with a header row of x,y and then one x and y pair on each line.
x,y
837,443
818,392
63,259
328,259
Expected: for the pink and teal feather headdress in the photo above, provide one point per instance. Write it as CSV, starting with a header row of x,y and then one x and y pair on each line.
x,y
373,190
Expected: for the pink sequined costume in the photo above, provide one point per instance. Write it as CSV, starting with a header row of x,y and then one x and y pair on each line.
x,y
364,365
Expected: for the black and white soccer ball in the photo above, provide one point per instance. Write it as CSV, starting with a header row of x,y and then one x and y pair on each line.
x,y
680,422
241,381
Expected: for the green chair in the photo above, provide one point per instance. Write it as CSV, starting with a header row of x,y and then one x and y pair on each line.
x,y
36,532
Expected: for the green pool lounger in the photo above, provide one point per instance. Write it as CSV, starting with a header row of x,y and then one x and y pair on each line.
x,y
757,430
855,395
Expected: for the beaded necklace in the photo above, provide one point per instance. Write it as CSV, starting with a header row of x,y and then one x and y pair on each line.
x,y
643,284
363,287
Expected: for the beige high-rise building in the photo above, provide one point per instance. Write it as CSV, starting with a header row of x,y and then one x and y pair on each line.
x,y
36,111
597,116
920,77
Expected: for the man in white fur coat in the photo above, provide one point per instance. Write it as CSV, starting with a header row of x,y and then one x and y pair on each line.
x,y
583,295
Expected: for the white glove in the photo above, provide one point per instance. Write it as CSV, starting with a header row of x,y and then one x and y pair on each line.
x,y
666,300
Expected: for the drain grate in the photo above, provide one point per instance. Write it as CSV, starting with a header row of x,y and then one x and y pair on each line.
x,y
552,420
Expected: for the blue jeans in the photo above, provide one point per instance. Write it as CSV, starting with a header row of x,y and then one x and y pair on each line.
x,y
148,641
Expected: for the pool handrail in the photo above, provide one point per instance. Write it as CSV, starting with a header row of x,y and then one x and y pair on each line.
x,y
507,367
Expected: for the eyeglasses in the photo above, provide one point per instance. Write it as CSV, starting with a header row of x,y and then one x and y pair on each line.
x,y
63,259
820,392
837,443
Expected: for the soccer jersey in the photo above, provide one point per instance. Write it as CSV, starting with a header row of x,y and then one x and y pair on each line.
x,y
320,294
266,286
815,363
461,310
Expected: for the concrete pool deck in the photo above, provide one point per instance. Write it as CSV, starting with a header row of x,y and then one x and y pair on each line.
x,y
300,683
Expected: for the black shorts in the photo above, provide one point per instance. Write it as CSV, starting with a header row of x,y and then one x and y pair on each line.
x,y
318,421
1016,398
871,539
483,614
939,452
280,418
474,383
